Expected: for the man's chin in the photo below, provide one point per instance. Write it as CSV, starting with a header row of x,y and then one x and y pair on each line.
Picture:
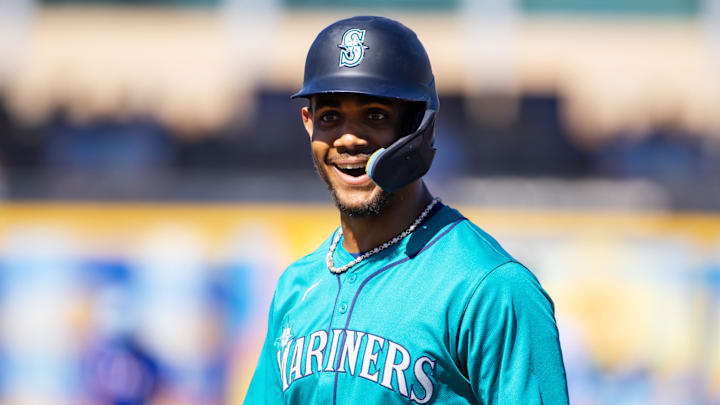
x,y
371,207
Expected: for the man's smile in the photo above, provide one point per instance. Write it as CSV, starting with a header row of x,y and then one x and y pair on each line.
x,y
354,177
350,169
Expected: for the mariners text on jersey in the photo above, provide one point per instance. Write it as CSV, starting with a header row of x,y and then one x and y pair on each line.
x,y
444,317
395,360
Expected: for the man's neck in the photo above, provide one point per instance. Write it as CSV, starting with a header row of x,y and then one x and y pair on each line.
x,y
364,234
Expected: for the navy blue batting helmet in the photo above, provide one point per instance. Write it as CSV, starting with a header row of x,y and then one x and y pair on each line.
x,y
380,57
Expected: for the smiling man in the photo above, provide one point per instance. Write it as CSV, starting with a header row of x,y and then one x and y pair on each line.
x,y
407,301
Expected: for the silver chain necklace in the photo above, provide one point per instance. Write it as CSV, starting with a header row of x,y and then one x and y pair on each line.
x,y
398,238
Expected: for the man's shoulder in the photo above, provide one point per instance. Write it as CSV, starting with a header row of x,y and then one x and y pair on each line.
x,y
467,243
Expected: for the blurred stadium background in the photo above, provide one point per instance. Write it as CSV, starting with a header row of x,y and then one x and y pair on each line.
x,y
155,180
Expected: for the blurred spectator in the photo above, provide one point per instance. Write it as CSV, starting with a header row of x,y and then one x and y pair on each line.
x,y
666,154
106,145
535,143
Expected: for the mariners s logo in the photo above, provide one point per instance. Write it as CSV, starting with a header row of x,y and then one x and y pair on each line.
x,y
352,49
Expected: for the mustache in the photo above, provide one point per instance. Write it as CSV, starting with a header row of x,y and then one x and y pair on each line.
x,y
350,156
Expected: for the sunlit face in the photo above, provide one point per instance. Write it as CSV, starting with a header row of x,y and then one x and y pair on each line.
x,y
345,130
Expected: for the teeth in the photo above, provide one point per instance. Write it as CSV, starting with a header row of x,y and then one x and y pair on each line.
x,y
351,166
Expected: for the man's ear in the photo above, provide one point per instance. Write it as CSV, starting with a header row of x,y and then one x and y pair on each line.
x,y
307,118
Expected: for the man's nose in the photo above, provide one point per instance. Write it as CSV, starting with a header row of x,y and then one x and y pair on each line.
x,y
350,139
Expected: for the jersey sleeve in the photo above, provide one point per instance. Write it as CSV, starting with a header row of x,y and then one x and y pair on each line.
x,y
508,341
265,386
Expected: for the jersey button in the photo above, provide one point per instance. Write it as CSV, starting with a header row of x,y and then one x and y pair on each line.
x,y
342,308
352,278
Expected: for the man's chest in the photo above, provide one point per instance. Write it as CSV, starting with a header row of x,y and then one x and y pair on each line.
x,y
365,335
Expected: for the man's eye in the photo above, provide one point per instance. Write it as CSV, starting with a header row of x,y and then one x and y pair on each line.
x,y
329,117
377,115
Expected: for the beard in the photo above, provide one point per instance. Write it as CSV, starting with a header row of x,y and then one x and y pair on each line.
x,y
372,208
369,209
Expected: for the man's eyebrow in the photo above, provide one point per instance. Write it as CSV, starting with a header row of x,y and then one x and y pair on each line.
x,y
363,99
377,103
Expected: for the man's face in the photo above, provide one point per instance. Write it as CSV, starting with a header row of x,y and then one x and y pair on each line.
x,y
345,130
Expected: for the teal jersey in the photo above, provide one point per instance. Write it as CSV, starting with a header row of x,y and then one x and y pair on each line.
x,y
444,316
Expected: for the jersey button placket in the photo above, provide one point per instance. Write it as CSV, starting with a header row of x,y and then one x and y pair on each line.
x,y
349,288
348,293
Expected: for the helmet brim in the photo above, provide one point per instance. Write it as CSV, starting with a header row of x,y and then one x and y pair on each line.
x,y
372,86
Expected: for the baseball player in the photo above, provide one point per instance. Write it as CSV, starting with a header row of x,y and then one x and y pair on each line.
x,y
407,301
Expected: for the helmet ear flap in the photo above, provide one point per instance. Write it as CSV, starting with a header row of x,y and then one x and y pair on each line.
x,y
412,117
406,160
